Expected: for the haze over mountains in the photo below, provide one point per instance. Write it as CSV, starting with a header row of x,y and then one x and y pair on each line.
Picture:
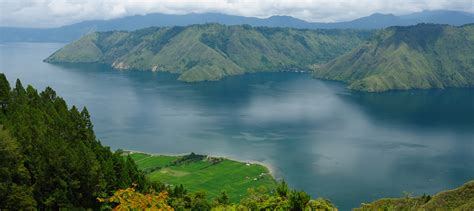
x,y
75,31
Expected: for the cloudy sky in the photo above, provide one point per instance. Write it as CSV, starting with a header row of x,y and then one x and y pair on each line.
x,y
50,13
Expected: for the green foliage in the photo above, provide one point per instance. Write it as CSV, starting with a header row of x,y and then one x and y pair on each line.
x,y
15,189
129,199
84,50
179,199
188,159
461,198
298,200
259,199
199,201
203,173
211,51
50,156
321,204
4,90
222,199
282,189
413,57
229,184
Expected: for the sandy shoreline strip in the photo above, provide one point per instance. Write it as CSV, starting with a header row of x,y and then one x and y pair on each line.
x,y
269,167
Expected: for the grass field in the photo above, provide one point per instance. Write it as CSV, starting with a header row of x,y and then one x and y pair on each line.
x,y
211,175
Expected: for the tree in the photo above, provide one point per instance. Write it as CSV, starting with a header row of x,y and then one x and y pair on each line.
x,y
4,90
129,199
199,201
222,199
282,189
179,191
256,198
320,204
298,200
19,87
15,190
56,159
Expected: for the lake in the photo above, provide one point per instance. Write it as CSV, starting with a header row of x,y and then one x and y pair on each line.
x,y
350,147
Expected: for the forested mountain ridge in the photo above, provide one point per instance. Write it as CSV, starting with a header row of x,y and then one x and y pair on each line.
x,y
50,157
211,51
414,57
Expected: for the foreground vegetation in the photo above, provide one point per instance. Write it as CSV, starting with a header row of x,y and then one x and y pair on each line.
x,y
283,199
413,57
211,51
203,173
49,155
461,198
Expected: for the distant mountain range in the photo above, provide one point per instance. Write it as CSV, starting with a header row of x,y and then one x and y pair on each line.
x,y
72,32
422,56
210,52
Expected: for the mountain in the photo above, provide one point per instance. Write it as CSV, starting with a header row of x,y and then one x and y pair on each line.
x,y
72,32
379,21
439,16
461,198
411,57
211,51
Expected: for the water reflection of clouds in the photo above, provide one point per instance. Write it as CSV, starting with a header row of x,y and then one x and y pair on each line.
x,y
249,136
294,105
317,135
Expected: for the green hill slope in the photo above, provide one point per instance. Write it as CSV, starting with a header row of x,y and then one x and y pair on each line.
x,y
49,155
461,198
203,173
414,57
211,51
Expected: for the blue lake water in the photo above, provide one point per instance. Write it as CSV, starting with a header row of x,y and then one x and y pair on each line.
x,y
350,147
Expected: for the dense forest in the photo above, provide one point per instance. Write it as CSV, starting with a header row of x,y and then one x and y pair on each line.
x,y
51,159
50,156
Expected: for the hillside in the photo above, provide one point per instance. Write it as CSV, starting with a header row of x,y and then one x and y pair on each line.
x,y
212,51
204,173
50,157
72,32
461,198
414,57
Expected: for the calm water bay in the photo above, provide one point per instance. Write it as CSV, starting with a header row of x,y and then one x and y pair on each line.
x,y
347,146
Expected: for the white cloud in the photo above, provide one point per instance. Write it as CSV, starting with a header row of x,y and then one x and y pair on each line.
x,y
47,13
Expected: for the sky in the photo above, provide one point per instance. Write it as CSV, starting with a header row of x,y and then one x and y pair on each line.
x,y
53,13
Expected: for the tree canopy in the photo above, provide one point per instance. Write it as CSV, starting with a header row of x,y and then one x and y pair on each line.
x,y
50,156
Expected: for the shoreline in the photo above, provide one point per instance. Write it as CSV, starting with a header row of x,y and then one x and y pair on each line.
x,y
269,167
